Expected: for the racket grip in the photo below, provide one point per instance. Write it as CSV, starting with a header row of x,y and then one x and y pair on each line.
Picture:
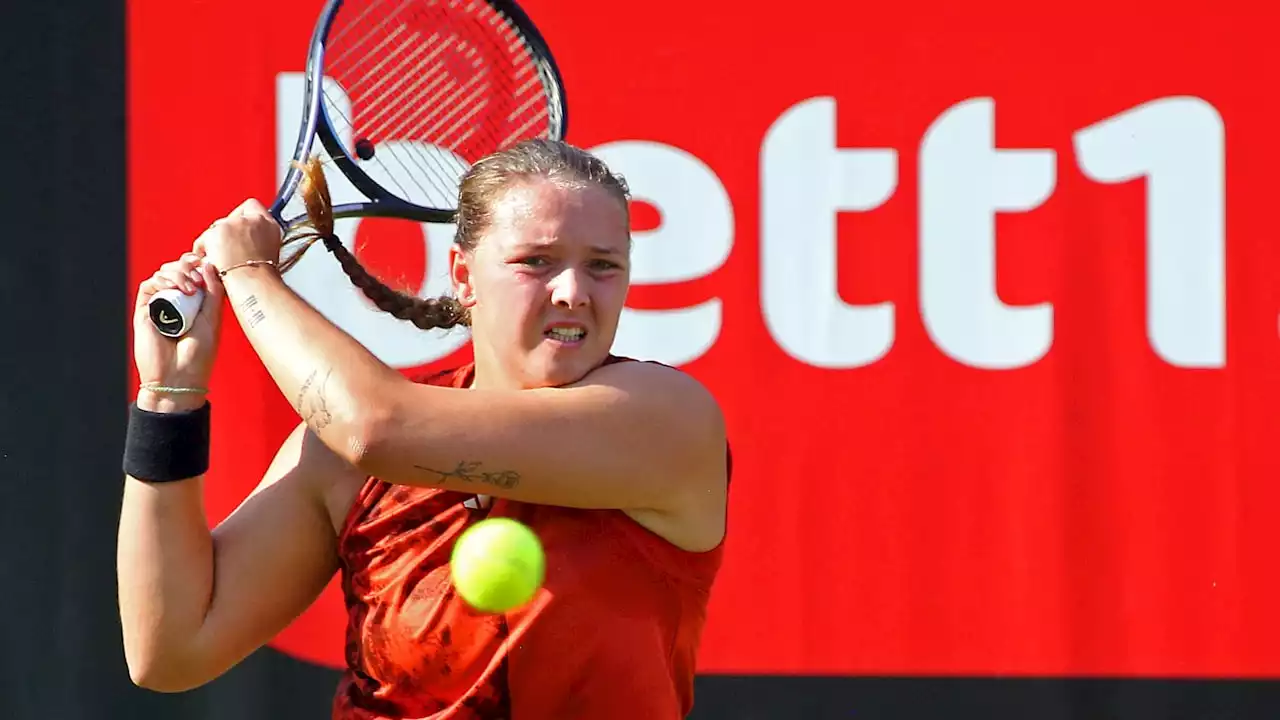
x,y
173,312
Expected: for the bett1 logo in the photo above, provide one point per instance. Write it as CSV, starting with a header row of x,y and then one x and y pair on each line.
x,y
1176,144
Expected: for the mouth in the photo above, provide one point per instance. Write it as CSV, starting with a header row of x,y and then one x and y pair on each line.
x,y
566,334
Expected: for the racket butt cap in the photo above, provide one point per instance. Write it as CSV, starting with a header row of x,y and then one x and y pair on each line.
x,y
173,312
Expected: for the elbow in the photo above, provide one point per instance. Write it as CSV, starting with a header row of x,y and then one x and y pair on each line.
x,y
157,683
161,675
166,668
367,443
358,431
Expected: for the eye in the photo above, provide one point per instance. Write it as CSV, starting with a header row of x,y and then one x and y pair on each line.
x,y
534,261
600,265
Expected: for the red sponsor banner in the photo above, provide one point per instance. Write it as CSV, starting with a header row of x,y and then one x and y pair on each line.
x,y
987,291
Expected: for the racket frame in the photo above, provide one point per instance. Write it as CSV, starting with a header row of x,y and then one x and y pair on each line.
x,y
380,202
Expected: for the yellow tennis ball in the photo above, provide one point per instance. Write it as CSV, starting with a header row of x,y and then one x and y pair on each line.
x,y
497,564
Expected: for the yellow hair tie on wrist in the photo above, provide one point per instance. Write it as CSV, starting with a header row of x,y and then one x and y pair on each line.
x,y
158,388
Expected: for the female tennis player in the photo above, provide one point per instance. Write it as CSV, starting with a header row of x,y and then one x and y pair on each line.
x,y
620,466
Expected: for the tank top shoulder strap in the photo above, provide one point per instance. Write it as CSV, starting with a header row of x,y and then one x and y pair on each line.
x,y
457,377
728,450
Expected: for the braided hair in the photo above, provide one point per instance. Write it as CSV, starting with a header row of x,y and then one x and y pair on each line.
x,y
482,186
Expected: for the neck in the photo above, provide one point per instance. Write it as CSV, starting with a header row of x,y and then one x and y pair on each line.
x,y
490,373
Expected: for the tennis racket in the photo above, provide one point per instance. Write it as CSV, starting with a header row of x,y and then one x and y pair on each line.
x,y
403,96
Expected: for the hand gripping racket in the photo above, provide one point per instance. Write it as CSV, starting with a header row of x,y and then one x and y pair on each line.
x,y
403,96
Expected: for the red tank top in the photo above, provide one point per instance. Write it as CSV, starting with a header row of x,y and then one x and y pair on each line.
x,y
613,633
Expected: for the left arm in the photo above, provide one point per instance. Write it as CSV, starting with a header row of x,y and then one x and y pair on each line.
x,y
331,380
633,436
629,436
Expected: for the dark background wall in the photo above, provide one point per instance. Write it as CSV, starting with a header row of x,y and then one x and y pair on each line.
x,y
63,359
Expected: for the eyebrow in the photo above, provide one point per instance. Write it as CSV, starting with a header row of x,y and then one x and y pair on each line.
x,y
597,249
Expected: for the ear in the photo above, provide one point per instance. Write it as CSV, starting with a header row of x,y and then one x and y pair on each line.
x,y
460,275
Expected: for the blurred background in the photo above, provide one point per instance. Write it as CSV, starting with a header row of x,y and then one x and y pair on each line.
x,y
987,290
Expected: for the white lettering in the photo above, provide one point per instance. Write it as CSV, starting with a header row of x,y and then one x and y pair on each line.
x,y
805,180
964,182
1176,144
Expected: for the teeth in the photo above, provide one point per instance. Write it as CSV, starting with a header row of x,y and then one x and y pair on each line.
x,y
570,334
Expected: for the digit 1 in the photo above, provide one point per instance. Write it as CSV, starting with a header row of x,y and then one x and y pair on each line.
x,y
1176,144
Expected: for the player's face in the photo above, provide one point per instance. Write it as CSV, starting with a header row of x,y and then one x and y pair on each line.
x,y
546,284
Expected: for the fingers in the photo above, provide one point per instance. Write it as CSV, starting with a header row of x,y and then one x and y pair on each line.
x,y
250,208
184,274
249,230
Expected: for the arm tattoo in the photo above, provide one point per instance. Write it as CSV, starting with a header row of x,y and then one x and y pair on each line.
x,y
312,405
250,306
470,472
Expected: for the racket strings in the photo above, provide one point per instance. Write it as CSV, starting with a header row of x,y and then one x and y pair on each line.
x,y
333,106
433,176
453,74
477,25
438,108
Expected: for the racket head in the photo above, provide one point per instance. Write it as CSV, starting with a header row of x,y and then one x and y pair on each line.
x,y
404,95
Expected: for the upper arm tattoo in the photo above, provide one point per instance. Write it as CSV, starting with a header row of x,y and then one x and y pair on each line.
x,y
470,472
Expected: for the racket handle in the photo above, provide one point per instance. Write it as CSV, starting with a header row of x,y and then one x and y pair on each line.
x,y
173,312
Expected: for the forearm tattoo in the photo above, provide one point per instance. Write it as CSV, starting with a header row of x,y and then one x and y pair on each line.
x,y
312,405
250,308
470,472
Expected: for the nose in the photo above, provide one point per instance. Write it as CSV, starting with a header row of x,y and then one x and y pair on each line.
x,y
569,289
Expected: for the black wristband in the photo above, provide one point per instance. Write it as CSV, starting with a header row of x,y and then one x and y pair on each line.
x,y
165,447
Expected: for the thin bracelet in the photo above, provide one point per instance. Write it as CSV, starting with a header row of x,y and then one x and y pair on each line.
x,y
158,388
246,263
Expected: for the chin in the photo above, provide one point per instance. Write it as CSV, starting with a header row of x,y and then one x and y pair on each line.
x,y
563,366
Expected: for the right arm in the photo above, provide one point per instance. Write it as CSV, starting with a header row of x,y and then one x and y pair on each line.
x,y
193,603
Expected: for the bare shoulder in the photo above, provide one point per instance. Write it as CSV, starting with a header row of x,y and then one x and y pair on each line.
x,y
672,389
692,424
667,400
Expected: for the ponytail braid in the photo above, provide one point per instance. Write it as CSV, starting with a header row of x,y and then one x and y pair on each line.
x,y
425,313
